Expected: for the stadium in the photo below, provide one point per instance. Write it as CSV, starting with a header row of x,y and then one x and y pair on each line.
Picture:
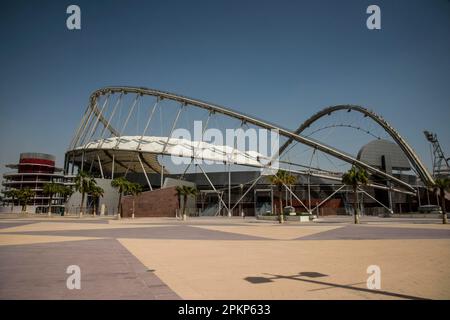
x,y
145,135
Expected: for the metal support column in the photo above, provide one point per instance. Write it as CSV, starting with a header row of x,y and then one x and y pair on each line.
x,y
229,190
145,173
100,165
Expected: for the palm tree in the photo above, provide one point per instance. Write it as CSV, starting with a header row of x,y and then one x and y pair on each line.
x,y
66,192
178,188
354,178
281,179
96,192
13,194
51,189
83,182
186,192
122,185
134,189
24,196
442,185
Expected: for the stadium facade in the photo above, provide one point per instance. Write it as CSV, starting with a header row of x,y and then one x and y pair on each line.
x,y
120,135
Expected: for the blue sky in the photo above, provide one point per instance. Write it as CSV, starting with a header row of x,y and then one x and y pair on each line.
x,y
279,60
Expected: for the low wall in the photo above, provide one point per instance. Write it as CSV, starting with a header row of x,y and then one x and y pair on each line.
x,y
156,203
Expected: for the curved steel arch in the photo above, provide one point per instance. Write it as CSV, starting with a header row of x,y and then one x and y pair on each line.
x,y
214,108
409,152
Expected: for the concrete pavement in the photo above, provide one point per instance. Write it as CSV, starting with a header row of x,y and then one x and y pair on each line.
x,y
221,258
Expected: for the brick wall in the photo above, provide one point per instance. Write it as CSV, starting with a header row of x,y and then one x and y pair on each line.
x,y
157,203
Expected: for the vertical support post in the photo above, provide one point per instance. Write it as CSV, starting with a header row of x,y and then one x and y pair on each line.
x,y
100,165
271,199
309,193
162,176
254,201
309,181
241,210
229,190
145,173
112,167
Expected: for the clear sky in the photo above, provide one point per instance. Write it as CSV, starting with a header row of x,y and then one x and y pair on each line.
x,y
281,61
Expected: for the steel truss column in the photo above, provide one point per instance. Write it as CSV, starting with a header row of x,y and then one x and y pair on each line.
x,y
212,186
367,194
100,165
229,190
295,196
143,169
327,198
112,166
245,193
309,181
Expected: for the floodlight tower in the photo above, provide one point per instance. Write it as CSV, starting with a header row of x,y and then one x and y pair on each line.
x,y
441,166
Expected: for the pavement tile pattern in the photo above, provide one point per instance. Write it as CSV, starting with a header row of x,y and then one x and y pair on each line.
x,y
220,258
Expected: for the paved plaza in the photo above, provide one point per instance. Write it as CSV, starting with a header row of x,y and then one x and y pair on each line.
x,y
223,258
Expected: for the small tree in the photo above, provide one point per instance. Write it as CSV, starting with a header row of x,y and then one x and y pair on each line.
x,y
354,178
134,189
24,196
51,189
122,185
13,194
440,186
66,192
96,192
83,183
185,192
281,179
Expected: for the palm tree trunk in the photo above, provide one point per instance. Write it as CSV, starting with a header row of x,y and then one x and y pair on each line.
x,y
179,206
50,205
184,207
132,215
356,205
12,204
280,194
444,211
82,203
119,206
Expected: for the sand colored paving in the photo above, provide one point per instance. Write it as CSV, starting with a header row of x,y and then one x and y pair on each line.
x,y
410,225
280,232
17,239
271,269
221,258
57,226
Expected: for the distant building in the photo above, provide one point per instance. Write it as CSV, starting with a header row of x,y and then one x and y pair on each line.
x,y
33,171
